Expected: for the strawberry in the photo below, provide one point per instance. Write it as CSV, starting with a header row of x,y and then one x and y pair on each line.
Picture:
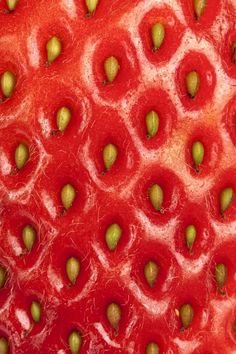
x,y
117,176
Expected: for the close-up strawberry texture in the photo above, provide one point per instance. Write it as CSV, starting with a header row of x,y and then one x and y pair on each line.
x,y
118,176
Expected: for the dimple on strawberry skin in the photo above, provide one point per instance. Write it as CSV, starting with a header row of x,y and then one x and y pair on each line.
x,y
117,176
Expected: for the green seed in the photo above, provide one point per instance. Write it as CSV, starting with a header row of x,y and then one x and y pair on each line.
x,y
4,346
110,153
29,237
152,348
68,196
53,48
8,83
72,269
158,35
199,7
186,315
3,276
192,83
91,5
197,154
226,198
190,236
156,196
111,68
114,315
63,118
152,123
11,4
113,234
234,52
74,342
151,271
21,155
221,273
35,310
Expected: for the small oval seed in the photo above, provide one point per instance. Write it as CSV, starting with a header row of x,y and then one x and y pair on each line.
x,y
197,154
114,315
53,48
199,7
156,196
186,315
4,346
190,236
72,269
221,273
113,234
192,81
110,153
68,196
158,35
63,118
152,123
3,276
234,52
8,83
151,271
91,5
152,348
21,155
29,237
226,198
35,310
111,68
74,342
11,4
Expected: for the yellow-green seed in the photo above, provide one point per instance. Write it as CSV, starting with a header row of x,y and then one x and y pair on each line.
x,y
113,234
74,342
29,237
110,153
8,83
11,4
151,271
4,346
221,273
234,52
152,123
72,269
152,348
158,35
111,68
21,155
192,83
35,310
197,153
186,315
3,276
226,198
53,49
114,315
68,194
91,5
63,118
156,196
190,236
199,7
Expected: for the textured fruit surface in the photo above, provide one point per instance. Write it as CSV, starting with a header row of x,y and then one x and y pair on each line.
x,y
71,303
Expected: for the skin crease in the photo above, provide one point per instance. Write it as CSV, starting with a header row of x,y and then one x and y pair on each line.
x,y
104,114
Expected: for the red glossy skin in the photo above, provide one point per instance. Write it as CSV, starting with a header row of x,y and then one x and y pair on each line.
x,y
115,113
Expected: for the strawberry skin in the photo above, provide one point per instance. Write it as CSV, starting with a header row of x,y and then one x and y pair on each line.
x,y
117,177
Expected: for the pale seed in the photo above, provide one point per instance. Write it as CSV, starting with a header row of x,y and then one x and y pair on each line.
x,y
91,5
35,310
197,154
190,236
53,49
8,82
151,271
3,276
221,273
156,196
4,346
199,7
158,35
11,4
114,315
152,123
74,342
110,153
186,315
111,68
152,348
113,234
21,155
63,118
192,83
29,237
226,198
72,269
68,194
